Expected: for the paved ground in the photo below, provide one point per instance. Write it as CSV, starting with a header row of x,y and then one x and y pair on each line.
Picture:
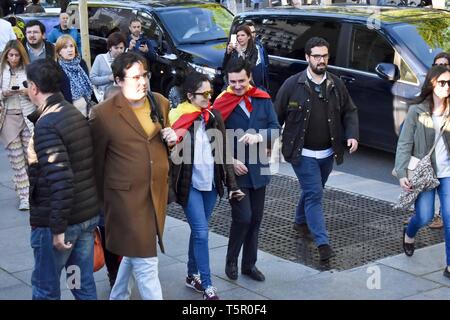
x,y
397,277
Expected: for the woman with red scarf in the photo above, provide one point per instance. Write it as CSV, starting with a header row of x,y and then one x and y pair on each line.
x,y
198,175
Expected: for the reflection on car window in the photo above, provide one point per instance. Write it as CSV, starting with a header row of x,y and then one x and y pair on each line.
x,y
104,21
197,24
287,37
368,49
406,73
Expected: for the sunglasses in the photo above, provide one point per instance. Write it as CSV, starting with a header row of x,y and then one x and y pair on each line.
x,y
318,90
206,94
440,64
442,83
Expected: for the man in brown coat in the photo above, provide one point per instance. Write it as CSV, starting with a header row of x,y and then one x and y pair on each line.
x,y
131,162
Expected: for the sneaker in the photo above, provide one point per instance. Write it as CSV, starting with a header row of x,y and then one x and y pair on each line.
x,y
436,223
24,205
210,293
446,272
194,282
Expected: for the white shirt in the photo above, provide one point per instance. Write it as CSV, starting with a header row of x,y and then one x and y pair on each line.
x,y
310,77
6,34
442,160
203,166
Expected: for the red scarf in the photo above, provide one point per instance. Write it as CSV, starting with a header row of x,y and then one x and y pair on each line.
x,y
228,100
185,121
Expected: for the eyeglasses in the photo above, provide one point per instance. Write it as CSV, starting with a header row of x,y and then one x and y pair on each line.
x,y
145,75
440,64
442,83
206,94
318,57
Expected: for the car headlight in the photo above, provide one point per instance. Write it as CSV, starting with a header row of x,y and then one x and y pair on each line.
x,y
210,72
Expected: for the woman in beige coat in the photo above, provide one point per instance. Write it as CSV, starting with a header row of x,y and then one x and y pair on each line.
x,y
15,106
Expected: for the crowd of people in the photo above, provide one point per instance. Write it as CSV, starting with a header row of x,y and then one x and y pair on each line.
x,y
119,163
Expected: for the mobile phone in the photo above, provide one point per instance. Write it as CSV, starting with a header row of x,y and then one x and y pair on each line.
x,y
15,88
233,39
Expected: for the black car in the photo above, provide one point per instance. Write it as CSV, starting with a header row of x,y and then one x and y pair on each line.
x,y
171,26
382,54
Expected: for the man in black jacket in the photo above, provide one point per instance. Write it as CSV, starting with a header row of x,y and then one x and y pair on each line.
x,y
314,105
37,47
63,196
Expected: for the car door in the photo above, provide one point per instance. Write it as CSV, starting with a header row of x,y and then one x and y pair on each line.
x,y
373,96
284,39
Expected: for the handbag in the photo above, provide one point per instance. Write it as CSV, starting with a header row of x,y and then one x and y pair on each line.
x,y
422,178
99,256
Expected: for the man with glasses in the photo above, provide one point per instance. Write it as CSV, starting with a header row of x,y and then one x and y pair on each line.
x,y
314,105
131,136
260,74
37,47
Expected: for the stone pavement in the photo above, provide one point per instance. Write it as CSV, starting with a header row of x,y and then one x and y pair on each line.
x,y
397,277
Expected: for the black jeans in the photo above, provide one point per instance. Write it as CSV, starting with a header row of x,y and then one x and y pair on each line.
x,y
246,220
112,260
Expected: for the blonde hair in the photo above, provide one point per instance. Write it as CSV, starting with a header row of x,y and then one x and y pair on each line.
x,y
16,45
62,41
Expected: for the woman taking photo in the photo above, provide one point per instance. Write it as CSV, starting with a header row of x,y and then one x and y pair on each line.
x,y
77,87
243,49
200,176
15,128
427,116
101,72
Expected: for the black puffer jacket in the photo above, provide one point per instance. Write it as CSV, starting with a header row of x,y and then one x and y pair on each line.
x,y
60,157
223,173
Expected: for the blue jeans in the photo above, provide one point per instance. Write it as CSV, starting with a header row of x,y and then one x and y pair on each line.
x,y
312,175
198,211
78,260
424,212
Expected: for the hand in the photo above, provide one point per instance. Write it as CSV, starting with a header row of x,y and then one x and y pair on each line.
x,y
58,242
9,93
143,48
24,92
405,184
169,136
251,138
239,168
132,44
353,144
237,194
230,47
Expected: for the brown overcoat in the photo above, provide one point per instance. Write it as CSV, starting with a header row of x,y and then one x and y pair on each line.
x,y
132,172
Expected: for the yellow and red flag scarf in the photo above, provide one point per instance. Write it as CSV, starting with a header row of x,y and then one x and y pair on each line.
x,y
183,116
228,100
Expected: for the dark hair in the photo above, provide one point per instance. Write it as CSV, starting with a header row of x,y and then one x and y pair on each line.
x,y
192,82
239,66
244,27
33,23
315,42
35,1
124,62
426,93
46,74
440,55
249,23
135,20
1,12
114,39
12,20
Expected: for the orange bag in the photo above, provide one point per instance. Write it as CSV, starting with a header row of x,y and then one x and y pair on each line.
x,y
99,256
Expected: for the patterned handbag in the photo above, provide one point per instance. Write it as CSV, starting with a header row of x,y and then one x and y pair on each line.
x,y
422,178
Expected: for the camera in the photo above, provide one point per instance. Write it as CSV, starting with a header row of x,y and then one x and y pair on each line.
x,y
15,88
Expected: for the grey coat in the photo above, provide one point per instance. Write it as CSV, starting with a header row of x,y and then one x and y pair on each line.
x,y
101,71
417,137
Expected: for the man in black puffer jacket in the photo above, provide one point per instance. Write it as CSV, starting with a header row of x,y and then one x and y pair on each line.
x,y
63,196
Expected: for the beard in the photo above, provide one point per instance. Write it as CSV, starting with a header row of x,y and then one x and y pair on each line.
x,y
319,68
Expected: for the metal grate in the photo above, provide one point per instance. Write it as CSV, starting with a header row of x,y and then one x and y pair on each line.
x,y
361,229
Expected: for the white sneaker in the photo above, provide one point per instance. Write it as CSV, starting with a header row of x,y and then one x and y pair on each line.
x,y
24,205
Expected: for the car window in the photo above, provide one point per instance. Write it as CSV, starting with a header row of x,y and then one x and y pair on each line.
x,y
149,25
368,49
286,37
197,24
406,74
103,21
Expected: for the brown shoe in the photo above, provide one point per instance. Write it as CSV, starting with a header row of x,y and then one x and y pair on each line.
x,y
436,223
